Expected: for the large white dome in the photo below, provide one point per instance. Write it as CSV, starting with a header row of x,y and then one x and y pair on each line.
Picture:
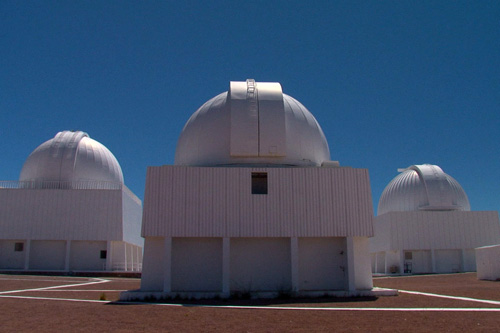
x,y
71,157
423,187
253,123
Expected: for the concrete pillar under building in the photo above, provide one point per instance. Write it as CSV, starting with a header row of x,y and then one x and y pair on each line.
x,y
167,265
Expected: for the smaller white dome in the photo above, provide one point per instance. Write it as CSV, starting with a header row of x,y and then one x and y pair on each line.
x,y
423,187
71,157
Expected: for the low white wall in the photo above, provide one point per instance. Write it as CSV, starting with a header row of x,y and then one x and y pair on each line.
x,y
448,261
488,262
362,272
86,256
469,260
47,255
260,264
10,259
196,264
421,262
154,264
322,263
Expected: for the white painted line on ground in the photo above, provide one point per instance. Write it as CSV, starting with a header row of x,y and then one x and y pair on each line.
x,y
87,290
487,301
55,287
55,299
265,307
36,280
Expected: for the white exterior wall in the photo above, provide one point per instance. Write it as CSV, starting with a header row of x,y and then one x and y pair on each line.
x,y
47,255
469,260
217,202
46,214
440,241
260,264
86,256
488,263
322,263
132,218
193,258
206,232
10,259
421,261
79,217
448,261
435,230
155,271
361,257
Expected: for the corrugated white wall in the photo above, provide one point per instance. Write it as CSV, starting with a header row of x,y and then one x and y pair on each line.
x,y
60,214
132,218
185,201
435,230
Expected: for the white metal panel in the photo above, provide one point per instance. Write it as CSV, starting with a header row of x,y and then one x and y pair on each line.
x,y
244,119
193,258
61,214
293,206
436,230
272,127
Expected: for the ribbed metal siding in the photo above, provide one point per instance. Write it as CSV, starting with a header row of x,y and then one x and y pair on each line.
x,y
217,202
61,214
437,230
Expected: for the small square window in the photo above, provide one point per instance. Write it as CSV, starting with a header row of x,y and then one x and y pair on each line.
x,y
104,254
19,247
259,182
408,255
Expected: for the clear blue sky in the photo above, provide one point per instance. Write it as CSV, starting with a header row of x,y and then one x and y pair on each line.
x,y
392,83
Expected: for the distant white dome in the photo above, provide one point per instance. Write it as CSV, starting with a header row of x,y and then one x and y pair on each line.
x,y
71,157
423,187
253,123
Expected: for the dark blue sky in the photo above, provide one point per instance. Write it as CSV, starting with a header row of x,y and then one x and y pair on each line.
x,y
392,83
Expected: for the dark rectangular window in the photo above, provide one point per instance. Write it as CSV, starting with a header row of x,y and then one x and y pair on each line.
x,y
104,253
259,182
19,247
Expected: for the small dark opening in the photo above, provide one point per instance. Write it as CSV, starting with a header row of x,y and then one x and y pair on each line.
x,y
104,253
19,247
259,182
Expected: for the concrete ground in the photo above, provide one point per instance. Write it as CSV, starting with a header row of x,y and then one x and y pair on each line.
x,y
425,303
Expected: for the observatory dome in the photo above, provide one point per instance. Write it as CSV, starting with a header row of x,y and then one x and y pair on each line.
x,y
71,157
423,187
253,123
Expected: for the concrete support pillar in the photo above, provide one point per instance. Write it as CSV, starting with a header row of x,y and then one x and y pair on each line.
x,y
68,255
351,278
167,265
139,261
402,261
109,256
27,254
132,261
462,260
433,261
226,273
294,251
385,262
125,261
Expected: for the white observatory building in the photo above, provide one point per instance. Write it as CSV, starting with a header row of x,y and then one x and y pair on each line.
x,y
254,205
425,225
70,211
